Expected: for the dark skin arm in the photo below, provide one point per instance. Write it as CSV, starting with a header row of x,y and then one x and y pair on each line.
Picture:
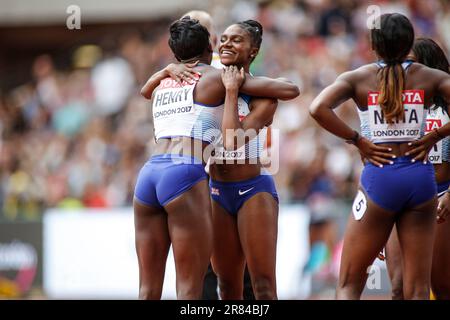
x,y
280,88
321,110
254,86
176,71
237,133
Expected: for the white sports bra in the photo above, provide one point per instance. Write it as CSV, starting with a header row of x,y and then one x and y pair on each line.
x,y
175,113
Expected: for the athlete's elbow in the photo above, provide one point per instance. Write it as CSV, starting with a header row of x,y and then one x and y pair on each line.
x,y
315,109
290,93
145,93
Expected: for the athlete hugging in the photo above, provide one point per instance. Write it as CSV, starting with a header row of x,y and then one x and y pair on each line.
x,y
213,124
218,118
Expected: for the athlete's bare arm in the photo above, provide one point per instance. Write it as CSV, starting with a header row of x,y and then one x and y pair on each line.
x,y
177,71
269,88
152,83
262,111
254,86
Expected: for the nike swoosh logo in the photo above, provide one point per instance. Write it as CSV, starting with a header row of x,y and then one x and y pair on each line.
x,y
244,192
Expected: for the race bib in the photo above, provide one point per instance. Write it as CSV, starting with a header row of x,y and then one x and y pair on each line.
x,y
406,128
436,118
359,205
435,154
172,100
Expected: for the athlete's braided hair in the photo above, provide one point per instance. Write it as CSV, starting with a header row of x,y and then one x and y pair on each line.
x,y
188,38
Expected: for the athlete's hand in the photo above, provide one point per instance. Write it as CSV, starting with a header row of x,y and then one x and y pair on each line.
x,y
232,77
183,72
377,155
421,147
443,208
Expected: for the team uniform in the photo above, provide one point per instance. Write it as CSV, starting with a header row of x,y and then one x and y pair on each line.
x,y
232,195
403,184
176,114
436,118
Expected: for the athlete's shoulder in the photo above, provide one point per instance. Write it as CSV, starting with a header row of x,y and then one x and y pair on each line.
x,y
209,75
208,70
427,71
359,74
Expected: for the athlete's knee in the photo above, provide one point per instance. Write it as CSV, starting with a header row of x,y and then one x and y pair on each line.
x,y
417,291
347,280
230,289
397,293
397,288
349,287
264,288
189,292
148,293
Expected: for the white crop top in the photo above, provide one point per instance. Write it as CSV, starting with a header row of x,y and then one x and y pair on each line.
x,y
175,113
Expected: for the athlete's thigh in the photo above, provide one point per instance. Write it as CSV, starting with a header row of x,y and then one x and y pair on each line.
x,y
367,232
152,244
189,220
258,229
228,258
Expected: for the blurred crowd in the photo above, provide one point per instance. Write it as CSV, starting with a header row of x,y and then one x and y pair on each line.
x,y
76,137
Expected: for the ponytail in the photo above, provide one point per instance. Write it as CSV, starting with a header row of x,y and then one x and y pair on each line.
x,y
391,86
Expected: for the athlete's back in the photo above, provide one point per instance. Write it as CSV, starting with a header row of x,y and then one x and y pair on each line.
x,y
418,77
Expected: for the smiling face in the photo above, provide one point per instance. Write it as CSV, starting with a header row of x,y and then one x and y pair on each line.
x,y
235,47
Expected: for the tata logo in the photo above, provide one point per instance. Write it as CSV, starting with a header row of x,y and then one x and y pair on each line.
x,y
433,124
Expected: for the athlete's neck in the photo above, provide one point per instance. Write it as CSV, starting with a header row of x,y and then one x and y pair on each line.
x,y
245,66
192,60
204,58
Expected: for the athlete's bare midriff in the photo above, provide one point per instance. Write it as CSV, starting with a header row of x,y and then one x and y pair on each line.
x,y
234,172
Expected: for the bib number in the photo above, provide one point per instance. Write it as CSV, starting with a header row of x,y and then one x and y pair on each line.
x,y
406,128
172,101
435,154
359,205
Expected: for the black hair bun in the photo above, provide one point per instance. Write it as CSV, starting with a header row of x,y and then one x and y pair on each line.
x,y
255,24
181,24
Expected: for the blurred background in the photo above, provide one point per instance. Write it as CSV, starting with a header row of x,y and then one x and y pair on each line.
x,y
75,131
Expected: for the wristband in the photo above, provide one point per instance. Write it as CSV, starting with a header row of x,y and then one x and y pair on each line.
x,y
440,136
353,140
